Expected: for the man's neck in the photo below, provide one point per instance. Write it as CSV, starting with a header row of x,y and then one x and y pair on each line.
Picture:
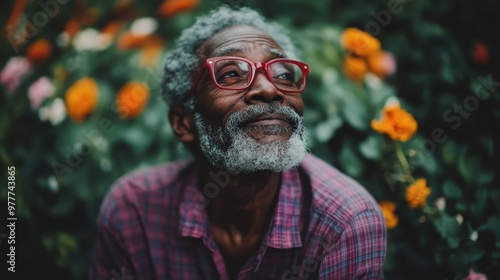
x,y
244,207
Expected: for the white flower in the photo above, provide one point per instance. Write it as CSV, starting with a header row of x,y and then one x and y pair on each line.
x,y
53,184
459,218
473,236
91,40
54,112
441,203
393,100
144,26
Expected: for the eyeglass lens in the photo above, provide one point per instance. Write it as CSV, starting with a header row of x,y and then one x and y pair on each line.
x,y
237,74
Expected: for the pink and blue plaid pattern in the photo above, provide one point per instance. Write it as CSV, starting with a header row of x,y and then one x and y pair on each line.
x,y
325,226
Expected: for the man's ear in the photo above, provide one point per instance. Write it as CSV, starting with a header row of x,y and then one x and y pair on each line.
x,y
182,124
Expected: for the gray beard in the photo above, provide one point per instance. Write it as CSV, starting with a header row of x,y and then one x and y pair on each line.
x,y
230,147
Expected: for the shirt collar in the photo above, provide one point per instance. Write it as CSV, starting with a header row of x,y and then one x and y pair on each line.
x,y
285,227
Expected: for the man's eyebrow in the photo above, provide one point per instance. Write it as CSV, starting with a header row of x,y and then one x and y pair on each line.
x,y
276,53
227,52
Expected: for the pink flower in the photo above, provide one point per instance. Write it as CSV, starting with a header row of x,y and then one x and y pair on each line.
x,y
14,70
475,276
39,90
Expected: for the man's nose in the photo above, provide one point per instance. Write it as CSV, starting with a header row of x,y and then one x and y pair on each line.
x,y
263,90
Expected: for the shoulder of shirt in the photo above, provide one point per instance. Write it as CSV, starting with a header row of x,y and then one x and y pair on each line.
x,y
336,196
148,181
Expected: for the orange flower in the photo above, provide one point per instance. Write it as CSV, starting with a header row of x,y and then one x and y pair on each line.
x,y
416,194
382,63
17,11
112,28
398,124
132,99
359,42
391,220
355,68
172,7
81,99
129,40
39,51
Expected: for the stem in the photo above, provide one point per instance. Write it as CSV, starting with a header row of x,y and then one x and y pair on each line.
x,y
402,158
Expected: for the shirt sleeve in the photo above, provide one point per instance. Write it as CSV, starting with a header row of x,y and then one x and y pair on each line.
x,y
360,251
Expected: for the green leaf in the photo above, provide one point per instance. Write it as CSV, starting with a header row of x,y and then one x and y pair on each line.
x,y
451,190
469,166
493,225
355,113
325,130
478,206
350,162
474,253
448,228
370,148
458,261
449,152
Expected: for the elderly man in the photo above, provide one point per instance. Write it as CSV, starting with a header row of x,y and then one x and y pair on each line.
x,y
252,204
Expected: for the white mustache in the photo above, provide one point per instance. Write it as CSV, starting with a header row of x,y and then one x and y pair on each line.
x,y
249,114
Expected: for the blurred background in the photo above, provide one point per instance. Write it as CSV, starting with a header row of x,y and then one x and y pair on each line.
x,y
81,106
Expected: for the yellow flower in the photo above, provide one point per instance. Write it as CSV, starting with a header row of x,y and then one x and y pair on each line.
x,y
355,68
416,194
391,220
81,99
131,99
359,42
398,124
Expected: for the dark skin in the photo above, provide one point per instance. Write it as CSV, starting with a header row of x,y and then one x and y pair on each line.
x,y
239,216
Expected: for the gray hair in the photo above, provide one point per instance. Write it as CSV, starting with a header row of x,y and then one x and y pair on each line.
x,y
183,60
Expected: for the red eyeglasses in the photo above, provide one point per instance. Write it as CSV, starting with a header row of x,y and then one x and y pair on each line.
x,y
236,73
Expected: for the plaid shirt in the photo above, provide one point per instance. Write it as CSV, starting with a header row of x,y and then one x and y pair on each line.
x,y
153,225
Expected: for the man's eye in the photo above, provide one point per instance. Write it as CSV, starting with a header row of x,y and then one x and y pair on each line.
x,y
285,76
230,74
230,77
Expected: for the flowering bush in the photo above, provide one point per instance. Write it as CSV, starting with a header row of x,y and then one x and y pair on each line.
x,y
403,97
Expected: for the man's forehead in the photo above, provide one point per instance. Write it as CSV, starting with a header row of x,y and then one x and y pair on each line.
x,y
237,39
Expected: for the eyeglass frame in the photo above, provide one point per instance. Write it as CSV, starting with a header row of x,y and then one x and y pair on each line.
x,y
210,62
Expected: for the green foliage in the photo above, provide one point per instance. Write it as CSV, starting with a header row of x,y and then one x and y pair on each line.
x,y
58,194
